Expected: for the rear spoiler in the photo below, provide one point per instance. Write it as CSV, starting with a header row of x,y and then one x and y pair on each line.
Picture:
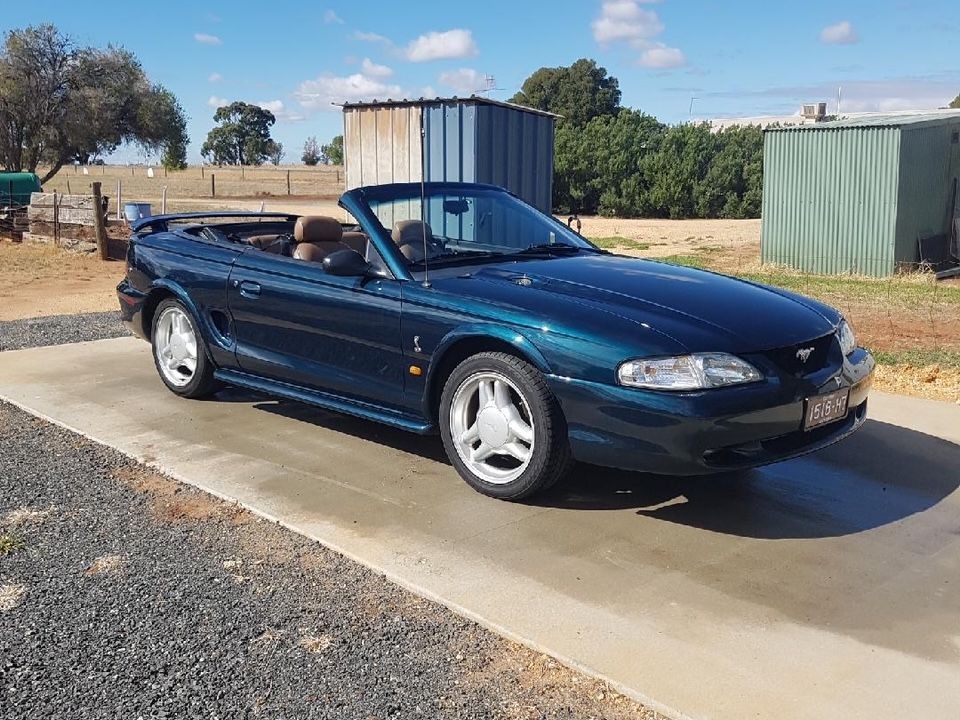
x,y
160,223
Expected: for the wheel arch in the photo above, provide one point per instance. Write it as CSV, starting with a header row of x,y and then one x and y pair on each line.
x,y
163,290
458,345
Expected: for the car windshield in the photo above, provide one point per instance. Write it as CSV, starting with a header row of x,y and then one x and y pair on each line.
x,y
468,224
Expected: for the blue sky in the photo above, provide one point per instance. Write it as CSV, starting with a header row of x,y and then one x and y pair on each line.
x,y
742,58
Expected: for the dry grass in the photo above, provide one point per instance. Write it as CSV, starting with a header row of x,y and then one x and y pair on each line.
x,y
106,564
40,280
10,596
24,516
315,643
248,182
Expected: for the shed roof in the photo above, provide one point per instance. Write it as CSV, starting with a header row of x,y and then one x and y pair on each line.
x,y
937,117
420,102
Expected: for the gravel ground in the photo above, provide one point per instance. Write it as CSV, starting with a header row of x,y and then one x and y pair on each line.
x,y
126,594
59,329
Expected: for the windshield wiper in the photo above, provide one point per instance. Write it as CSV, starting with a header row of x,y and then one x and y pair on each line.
x,y
549,248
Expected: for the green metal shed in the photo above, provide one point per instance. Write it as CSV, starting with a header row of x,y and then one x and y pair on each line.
x,y
857,195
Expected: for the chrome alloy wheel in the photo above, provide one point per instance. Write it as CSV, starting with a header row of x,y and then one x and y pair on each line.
x,y
492,428
175,345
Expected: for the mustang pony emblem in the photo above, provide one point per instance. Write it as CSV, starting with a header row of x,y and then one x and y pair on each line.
x,y
804,354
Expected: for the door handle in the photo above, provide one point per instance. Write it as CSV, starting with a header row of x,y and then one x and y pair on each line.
x,y
250,289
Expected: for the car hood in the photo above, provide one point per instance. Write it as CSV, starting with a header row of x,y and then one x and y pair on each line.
x,y
697,309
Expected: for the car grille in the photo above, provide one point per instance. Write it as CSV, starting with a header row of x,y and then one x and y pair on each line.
x,y
789,358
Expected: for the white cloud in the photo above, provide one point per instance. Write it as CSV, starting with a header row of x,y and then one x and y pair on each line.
x,y
445,45
217,102
279,110
327,89
215,77
372,69
661,56
464,80
370,37
205,39
625,20
329,17
841,33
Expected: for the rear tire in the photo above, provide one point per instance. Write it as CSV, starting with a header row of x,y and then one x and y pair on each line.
x,y
502,427
179,353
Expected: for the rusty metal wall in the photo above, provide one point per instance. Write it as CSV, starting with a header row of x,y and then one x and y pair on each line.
x,y
381,145
466,140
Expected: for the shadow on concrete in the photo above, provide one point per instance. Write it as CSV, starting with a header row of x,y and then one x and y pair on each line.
x,y
426,446
880,475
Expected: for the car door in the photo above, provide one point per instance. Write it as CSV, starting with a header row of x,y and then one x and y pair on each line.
x,y
297,324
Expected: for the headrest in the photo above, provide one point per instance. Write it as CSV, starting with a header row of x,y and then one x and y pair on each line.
x,y
317,228
408,231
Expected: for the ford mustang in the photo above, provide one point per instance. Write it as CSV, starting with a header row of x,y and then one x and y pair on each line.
x,y
459,309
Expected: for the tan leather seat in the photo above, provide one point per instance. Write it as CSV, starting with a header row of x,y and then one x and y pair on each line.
x,y
316,237
267,243
408,235
357,241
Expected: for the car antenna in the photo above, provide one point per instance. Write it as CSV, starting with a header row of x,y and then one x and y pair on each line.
x,y
423,199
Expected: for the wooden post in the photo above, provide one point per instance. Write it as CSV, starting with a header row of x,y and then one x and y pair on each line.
x,y
98,222
288,182
119,200
201,171
56,219
242,173
213,184
132,171
163,201
68,187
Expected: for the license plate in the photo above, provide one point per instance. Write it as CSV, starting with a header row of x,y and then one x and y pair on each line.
x,y
828,408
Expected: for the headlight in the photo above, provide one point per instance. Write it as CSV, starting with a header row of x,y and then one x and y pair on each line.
x,y
848,343
698,371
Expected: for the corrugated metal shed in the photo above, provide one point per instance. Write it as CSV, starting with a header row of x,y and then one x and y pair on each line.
x,y
855,195
472,139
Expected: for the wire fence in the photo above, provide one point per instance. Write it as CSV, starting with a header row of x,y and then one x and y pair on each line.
x,y
140,183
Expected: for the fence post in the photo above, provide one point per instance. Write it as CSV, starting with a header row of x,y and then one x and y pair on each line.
x,y
242,173
288,182
163,201
68,187
56,219
213,184
201,171
98,222
119,200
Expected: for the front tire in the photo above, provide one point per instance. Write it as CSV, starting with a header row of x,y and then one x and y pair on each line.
x,y
502,428
179,353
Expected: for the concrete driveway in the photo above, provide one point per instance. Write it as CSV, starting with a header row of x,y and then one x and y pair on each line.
x,y
822,587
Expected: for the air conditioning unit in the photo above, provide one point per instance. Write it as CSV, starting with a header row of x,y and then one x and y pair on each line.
x,y
814,111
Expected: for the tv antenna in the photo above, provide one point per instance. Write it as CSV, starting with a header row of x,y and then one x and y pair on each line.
x,y
423,198
487,84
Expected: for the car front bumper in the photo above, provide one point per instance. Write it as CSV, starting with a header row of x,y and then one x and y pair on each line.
x,y
708,431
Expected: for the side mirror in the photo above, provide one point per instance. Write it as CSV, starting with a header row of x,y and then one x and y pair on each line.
x,y
346,263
